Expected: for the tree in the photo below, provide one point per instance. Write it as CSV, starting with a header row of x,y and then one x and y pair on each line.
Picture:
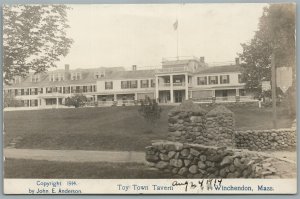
x,y
149,110
276,34
34,38
10,101
77,100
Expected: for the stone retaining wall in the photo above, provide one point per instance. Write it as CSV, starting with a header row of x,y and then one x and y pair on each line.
x,y
262,140
220,125
199,161
190,123
187,123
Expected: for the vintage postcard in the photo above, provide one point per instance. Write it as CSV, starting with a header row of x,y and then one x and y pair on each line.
x,y
149,98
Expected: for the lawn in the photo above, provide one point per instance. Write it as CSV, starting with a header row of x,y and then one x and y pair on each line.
x,y
110,128
56,170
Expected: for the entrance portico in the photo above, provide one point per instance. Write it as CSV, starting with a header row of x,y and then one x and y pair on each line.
x,y
172,88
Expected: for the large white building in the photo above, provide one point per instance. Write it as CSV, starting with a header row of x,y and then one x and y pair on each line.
x,y
175,81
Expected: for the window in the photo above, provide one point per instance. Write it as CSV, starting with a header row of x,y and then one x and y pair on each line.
x,y
129,84
17,80
84,89
66,89
202,80
108,85
55,77
144,83
152,82
224,79
35,78
240,78
33,91
59,89
75,76
99,74
213,79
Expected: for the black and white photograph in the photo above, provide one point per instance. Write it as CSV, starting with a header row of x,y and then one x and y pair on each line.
x,y
178,98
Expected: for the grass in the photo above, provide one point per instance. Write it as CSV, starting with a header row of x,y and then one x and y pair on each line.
x,y
110,128
57,170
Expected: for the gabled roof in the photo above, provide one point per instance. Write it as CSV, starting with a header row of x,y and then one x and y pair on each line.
x,y
219,69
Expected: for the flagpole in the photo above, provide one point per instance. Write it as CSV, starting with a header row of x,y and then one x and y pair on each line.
x,y
177,41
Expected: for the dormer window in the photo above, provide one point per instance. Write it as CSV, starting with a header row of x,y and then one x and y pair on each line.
x,y
35,78
55,77
76,76
17,80
99,74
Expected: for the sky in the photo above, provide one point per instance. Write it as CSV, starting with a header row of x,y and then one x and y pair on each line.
x,y
142,34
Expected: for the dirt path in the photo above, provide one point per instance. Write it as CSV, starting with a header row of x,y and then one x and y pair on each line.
x,y
75,155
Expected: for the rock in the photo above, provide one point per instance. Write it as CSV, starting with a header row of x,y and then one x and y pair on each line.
x,y
176,146
198,175
226,161
193,169
185,152
187,162
171,154
223,173
201,165
176,162
202,157
152,158
231,168
266,165
162,165
158,145
175,170
194,152
164,157
183,171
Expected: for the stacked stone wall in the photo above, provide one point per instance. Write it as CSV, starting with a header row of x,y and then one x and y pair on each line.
x,y
263,140
220,125
200,161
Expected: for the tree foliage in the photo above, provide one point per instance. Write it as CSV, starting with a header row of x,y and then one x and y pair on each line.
x,y
34,38
276,34
10,101
77,100
150,110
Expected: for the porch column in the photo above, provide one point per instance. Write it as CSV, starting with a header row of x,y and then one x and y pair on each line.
x,y
171,89
213,96
237,92
115,97
237,95
213,93
156,89
186,78
135,96
57,102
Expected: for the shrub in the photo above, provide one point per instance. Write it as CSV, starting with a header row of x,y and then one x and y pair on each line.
x,y
149,110
77,100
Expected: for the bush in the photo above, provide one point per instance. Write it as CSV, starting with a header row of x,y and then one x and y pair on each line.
x,y
150,110
77,100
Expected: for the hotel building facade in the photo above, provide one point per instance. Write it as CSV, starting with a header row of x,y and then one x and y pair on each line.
x,y
175,81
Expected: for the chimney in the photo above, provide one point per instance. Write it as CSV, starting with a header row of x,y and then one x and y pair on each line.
x,y
237,61
133,67
67,67
202,59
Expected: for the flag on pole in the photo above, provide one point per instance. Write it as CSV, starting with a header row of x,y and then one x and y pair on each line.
x,y
175,25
